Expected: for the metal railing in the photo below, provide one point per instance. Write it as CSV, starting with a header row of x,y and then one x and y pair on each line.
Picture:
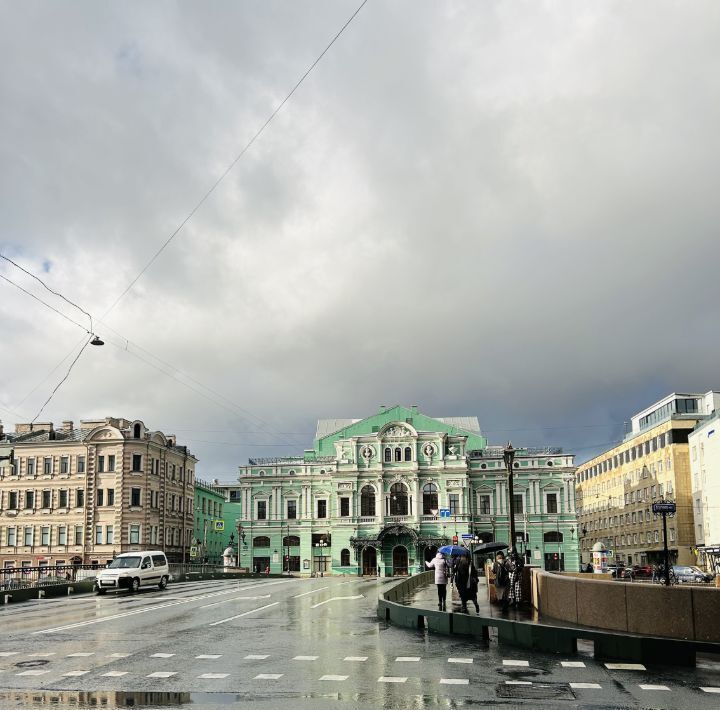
x,y
38,577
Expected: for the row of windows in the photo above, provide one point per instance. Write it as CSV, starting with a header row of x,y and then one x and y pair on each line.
x,y
397,454
649,537
211,507
45,535
104,497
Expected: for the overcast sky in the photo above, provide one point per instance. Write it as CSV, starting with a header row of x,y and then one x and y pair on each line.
x,y
501,209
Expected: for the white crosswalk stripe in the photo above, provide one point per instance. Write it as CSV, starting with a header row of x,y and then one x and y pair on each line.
x,y
647,686
214,676
391,679
454,681
268,676
625,667
334,677
585,686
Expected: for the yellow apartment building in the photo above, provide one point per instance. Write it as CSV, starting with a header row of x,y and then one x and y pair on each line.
x,y
615,490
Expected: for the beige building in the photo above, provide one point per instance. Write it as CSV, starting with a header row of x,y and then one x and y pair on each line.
x,y
79,495
615,490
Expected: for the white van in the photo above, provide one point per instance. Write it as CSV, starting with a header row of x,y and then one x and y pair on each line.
x,y
133,570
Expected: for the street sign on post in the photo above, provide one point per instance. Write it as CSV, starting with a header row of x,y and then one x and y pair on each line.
x,y
664,507
467,536
444,512
193,551
219,525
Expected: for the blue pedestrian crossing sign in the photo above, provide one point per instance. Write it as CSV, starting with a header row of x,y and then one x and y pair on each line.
x,y
444,512
219,526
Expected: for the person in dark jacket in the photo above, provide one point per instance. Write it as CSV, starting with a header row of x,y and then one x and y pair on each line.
x,y
466,581
514,565
502,580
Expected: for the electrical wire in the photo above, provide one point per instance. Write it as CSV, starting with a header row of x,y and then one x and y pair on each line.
x,y
237,158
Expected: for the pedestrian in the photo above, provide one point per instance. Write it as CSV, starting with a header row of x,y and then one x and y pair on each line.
x,y
514,565
501,580
442,573
654,573
466,580
267,571
589,567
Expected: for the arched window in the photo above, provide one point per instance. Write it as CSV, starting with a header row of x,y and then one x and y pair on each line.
x,y
398,454
388,454
291,541
398,499
261,541
367,500
408,453
430,499
553,536
344,558
136,431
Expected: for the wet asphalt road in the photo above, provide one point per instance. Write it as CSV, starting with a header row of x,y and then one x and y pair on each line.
x,y
288,643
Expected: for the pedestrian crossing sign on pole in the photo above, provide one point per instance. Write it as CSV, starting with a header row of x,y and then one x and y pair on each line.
x,y
219,525
193,551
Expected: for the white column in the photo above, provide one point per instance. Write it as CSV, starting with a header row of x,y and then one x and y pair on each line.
x,y
418,505
379,502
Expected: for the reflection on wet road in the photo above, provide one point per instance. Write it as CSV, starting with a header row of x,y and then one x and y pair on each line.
x,y
293,643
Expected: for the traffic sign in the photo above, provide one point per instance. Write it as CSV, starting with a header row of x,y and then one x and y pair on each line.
x,y
219,525
193,551
455,540
663,507
444,512
467,536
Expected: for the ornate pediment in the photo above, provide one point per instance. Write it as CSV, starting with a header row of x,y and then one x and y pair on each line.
x,y
397,430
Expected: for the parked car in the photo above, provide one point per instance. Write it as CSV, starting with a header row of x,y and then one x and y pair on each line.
x,y
687,573
133,570
642,571
48,580
617,570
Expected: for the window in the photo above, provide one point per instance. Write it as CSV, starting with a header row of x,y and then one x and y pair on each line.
x,y
454,503
63,498
101,496
81,464
135,497
484,504
656,535
398,499
109,535
344,558
137,463
12,537
672,534
111,462
101,464
135,534
262,510
47,465
13,502
398,454
28,537
98,534
553,536
291,541
292,509
136,431
388,455
45,535
46,499
344,507
551,502
430,499
408,453
64,464
518,500
31,467
62,535
261,541
78,534
29,499
79,498
367,501
322,509
111,496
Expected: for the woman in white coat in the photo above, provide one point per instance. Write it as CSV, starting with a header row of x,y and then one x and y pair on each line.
x,y
442,572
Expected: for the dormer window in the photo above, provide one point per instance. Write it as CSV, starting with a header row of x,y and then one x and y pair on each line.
x,y
136,431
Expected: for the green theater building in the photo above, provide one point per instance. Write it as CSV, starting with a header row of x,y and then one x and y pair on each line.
x,y
379,495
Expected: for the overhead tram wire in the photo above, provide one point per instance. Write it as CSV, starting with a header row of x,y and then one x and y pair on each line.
x,y
237,158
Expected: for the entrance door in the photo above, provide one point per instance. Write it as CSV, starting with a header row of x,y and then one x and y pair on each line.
x,y
554,562
400,561
370,561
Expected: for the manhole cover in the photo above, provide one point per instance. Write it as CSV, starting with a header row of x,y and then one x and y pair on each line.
x,y
535,691
32,664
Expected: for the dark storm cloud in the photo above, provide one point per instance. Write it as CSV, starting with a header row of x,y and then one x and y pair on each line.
x,y
497,209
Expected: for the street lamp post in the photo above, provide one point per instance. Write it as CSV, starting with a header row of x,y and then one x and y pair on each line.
x,y
665,507
321,545
509,457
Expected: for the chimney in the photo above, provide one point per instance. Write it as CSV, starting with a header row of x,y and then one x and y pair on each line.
x,y
67,425
382,408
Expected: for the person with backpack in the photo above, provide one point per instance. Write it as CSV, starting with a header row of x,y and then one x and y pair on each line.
x,y
442,573
502,580
466,580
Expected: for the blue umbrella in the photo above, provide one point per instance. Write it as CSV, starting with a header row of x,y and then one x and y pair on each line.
x,y
454,550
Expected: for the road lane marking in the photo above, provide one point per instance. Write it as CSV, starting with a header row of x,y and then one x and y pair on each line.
x,y
518,682
305,658
653,687
33,673
214,676
268,676
334,677
709,689
162,655
119,655
144,610
572,664
407,659
114,674
161,674
454,681
510,662
358,659
460,660
225,601
5,654
586,686
391,679
332,599
239,616
625,667
79,655
256,657
312,591
40,654
73,674
209,655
